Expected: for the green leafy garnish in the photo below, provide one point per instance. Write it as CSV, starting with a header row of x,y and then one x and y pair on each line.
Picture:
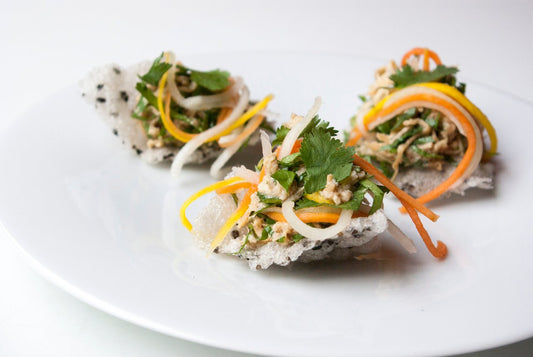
x,y
267,232
378,193
425,154
291,160
392,147
423,140
406,76
215,80
433,121
323,155
156,71
296,237
268,200
285,178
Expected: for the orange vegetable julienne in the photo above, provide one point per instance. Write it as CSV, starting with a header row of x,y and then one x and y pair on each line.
x,y
368,167
223,114
234,187
356,135
246,132
308,217
295,148
417,51
426,59
468,132
169,124
438,251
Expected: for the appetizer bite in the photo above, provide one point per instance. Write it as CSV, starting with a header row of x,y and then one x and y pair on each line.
x,y
166,111
419,128
310,198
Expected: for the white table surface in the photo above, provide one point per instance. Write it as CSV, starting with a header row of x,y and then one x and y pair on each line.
x,y
47,47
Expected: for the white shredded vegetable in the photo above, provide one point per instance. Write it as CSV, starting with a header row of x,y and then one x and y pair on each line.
x,y
294,133
265,143
247,174
400,237
201,138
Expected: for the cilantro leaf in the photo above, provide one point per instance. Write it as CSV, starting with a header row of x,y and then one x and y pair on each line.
x,y
284,177
156,71
281,133
296,237
215,80
146,93
323,155
268,200
377,191
291,160
406,76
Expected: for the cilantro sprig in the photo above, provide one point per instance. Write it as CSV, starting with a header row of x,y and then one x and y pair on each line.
x,y
324,155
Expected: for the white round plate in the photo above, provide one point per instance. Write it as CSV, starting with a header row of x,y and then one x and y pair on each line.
x,y
104,226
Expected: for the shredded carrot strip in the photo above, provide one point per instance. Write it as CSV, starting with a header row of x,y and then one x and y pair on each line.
x,y
199,194
223,114
468,131
368,167
165,118
295,148
472,109
417,51
356,135
308,217
438,251
234,188
245,133
426,59
241,209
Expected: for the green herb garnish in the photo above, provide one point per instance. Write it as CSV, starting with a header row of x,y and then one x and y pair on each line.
x,y
406,76
323,155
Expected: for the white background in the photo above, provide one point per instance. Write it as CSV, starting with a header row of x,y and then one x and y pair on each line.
x,y
45,47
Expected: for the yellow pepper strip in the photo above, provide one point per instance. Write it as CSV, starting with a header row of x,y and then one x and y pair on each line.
x,y
167,122
199,194
244,118
232,220
315,196
468,105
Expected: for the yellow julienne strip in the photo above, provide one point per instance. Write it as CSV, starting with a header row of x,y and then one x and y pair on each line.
x,y
200,193
167,122
468,105
375,109
249,114
232,220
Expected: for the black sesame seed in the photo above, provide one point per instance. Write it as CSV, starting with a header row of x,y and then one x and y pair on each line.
x,y
124,96
216,250
137,150
116,70
99,86
168,156
115,132
83,94
100,99
234,234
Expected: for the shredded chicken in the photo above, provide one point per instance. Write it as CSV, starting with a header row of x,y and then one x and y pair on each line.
x,y
338,193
